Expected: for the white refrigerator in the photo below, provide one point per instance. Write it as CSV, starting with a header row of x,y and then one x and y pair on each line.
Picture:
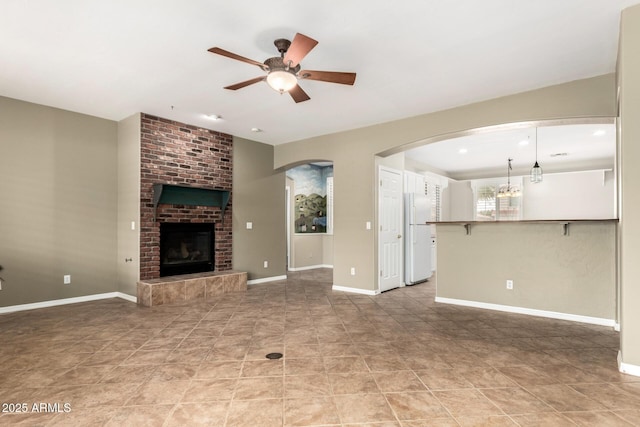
x,y
417,242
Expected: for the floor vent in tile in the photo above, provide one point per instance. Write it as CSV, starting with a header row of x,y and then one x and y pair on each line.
x,y
274,356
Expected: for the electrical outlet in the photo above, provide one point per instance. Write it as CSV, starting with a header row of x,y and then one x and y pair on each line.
x,y
249,226
266,264
67,279
510,284
353,271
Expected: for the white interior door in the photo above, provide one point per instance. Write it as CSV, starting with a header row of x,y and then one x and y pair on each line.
x,y
390,234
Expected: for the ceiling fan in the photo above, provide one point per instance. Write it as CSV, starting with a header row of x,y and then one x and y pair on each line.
x,y
283,72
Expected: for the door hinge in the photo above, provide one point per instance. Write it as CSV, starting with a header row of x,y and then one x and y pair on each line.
x,y
380,183
380,273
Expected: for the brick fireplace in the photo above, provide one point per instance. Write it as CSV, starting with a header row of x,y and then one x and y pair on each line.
x,y
183,155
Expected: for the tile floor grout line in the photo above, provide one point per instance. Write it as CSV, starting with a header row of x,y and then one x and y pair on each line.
x,y
405,326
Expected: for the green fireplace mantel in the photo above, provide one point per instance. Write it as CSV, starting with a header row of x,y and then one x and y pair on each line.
x,y
191,196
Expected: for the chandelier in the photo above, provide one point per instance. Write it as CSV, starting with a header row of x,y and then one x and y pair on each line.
x,y
508,190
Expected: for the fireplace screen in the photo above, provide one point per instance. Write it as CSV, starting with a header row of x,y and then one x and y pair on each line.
x,y
186,248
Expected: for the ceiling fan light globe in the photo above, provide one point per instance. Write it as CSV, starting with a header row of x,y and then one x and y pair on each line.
x,y
282,81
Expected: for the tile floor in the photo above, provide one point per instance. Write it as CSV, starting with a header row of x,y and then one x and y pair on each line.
x,y
397,359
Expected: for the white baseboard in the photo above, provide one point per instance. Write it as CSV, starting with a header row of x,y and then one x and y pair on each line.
x,y
266,279
354,290
127,297
529,311
626,368
65,301
310,267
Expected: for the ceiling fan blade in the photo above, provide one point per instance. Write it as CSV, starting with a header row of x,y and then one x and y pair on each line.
x,y
329,76
298,94
245,83
232,55
300,47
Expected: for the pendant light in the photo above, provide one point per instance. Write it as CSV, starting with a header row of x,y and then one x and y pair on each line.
x,y
536,171
508,190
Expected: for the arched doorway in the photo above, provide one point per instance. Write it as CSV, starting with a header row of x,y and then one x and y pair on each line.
x,y
309,213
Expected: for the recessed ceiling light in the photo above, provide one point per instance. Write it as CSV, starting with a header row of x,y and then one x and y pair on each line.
x,y
599,132
256,130
463,151
214,117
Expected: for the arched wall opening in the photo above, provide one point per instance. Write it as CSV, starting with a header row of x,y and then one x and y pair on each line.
x,y
573,211
309,215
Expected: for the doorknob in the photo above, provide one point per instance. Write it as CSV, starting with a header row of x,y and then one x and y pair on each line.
x,y
399,236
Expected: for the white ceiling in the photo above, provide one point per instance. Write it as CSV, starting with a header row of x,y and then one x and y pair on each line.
x,y
561,148
114,58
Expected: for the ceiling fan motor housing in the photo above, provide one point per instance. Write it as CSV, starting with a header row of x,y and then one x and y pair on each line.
x,y
277,64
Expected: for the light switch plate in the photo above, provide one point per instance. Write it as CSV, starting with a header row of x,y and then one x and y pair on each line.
x,y
249,225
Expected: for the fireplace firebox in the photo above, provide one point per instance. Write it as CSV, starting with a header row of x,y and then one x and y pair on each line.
x,y
186,248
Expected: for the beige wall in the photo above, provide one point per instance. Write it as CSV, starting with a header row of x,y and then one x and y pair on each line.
x,y
58,192
353,155
327,249
258,197
128,204
629,156
311,250
572,274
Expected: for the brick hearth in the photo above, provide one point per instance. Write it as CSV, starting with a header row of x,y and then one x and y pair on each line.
x,y
167,290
